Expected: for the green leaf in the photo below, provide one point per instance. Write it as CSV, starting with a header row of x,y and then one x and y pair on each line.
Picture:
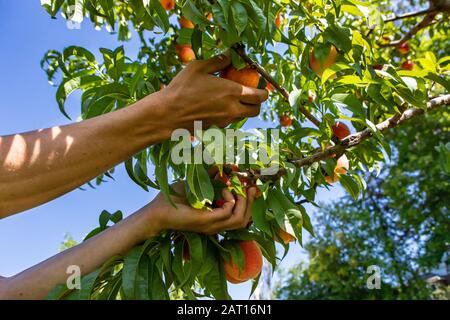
x,y
131,270
58,292
133,176
215,281
206,187
191,12
157,287
197,42
259,215
108,6
162,178
339,36
78,52
87,284
274,203
142,289
350,185
240,17
157,13
70,85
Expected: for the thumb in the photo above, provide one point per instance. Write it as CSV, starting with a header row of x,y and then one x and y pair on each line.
x,y
216,63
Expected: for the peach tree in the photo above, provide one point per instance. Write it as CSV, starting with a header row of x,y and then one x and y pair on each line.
x,y
339,72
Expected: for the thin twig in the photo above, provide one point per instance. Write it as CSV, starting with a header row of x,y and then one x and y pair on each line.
x,y
357,138
239,49
350,141
427,21
410,15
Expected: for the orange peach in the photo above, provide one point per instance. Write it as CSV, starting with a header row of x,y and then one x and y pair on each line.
x,y
252,263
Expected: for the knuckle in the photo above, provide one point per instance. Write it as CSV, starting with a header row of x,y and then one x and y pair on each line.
x,y
255,110
264,96
194,65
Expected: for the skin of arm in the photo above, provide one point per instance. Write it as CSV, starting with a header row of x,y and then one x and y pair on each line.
x,y
37,281
38,166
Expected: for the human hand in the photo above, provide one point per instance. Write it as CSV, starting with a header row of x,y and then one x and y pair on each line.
x,y
161,215
196,94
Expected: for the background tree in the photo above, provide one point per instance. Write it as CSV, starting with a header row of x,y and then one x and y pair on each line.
x,y
401,225
325,60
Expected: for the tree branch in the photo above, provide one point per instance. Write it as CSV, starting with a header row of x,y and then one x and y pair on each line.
x,y
396,17
356,138
426,22
239,49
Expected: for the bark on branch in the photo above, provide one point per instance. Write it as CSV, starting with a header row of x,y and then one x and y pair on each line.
x,y
427,21
356,138
435,7
396,17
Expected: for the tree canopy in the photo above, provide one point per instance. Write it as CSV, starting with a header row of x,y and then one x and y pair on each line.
x,y
372,65
401,225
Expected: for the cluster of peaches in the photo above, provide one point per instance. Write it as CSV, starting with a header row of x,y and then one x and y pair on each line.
x,y
184,51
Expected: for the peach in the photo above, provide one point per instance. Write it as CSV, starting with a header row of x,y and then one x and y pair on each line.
x,y
340,130
168,4
185,23
247,76
285,121
342,166
253,262
186,55
319,66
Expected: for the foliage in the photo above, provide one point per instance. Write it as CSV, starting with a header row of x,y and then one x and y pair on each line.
x,y
352,89
401,226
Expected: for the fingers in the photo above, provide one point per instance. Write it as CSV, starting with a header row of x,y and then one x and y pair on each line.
x,y
216,63
241,213
253,95
250,101
235,214
248,110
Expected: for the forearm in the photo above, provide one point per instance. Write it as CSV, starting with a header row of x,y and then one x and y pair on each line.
x,y
39,280
39,166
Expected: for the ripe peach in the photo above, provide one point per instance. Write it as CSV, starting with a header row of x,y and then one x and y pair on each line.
x,y
185,23
279,20
404,48
168,4
186,55
342,166
408,65
340,130
252,263
319,66
311,96
247,76
285,121
269,87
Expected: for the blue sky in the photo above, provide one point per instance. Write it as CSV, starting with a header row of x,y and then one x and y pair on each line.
x,y
28,103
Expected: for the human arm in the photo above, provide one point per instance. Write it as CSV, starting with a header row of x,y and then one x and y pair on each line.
x,y
37,281
38,166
